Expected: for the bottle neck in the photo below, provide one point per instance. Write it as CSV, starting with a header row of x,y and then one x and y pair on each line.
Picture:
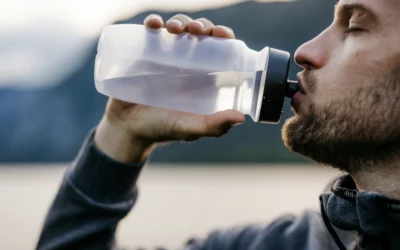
x,y
253,60
254,64
249,93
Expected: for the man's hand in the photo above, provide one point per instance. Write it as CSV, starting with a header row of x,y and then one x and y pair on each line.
x,y
129,131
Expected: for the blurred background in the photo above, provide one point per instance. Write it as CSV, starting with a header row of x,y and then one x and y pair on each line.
x,y
48,104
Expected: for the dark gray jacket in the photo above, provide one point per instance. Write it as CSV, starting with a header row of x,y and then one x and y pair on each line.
x,y
98,192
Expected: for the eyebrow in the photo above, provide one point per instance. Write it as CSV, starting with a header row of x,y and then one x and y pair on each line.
x,y
342,8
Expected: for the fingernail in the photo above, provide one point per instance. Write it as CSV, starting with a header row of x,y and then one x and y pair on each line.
x,y
232,124
201,24
227,29
236,124
177,22
152,17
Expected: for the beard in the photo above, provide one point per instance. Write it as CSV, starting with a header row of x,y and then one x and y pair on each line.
x,y
353,134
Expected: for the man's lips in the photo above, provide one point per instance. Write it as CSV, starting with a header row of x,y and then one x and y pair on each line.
x,y
299,96
300,83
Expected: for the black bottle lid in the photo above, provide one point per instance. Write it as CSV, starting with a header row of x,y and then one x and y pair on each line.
x,y
277,87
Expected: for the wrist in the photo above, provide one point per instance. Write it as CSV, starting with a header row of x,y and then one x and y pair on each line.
x,y
120,144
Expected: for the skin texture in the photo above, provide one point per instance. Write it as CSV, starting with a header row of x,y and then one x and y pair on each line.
x,y
347,117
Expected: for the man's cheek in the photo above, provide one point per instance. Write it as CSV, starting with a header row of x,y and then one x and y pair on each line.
x,y
337,88
357,61
387,63
363,64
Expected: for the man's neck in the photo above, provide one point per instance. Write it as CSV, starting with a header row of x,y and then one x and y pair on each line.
x,y
380,179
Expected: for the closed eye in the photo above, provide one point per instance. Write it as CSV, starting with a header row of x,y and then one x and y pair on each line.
x,y
353,30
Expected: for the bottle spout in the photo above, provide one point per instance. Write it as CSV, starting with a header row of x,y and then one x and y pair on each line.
x,y
293,87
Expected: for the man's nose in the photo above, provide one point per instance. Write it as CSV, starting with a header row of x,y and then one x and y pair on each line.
x,y
312,55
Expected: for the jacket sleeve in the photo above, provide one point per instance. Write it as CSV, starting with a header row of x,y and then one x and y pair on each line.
x,y
97,192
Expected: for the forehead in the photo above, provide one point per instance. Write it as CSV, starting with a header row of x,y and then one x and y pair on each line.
x,y
386,11
377,6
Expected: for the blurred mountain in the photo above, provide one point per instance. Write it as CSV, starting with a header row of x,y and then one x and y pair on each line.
x,y
49,125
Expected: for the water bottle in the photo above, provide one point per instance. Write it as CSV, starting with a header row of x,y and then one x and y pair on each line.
x,y
190,73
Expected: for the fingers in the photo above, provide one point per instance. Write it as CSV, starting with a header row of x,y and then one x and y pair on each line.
x,y
201,26
116,105
178,24
182,23
220,123
223,32
192,127
154,21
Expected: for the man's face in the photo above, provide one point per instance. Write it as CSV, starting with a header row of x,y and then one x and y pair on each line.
x,y
349,114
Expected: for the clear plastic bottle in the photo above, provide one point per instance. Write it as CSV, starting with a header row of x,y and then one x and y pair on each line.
x,y
197,74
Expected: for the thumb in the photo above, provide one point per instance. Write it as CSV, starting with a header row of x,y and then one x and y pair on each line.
x,y
223,118
218,124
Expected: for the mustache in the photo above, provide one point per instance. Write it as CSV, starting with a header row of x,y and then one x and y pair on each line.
x,y
309,81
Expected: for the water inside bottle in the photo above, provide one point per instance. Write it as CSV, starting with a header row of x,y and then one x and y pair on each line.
x,y
184,90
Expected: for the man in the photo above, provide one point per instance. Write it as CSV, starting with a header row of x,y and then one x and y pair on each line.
x,y
347,116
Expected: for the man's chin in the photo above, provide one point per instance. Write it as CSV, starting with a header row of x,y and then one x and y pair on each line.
x,y
288,131
297,131
300,109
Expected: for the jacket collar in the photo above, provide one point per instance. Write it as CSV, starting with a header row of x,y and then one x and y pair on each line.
x,y
366,212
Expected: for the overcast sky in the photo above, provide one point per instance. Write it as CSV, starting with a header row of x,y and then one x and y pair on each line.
x,y
43,41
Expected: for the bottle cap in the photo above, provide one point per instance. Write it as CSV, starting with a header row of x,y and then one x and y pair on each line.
x,y
277,87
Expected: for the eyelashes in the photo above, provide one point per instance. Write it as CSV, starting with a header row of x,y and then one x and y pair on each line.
x,y
353,30
353,27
